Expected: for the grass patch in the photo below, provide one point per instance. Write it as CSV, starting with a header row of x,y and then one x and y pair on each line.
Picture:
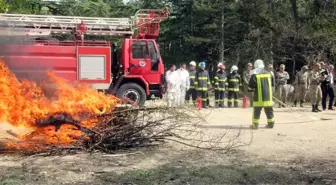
x,y
218,174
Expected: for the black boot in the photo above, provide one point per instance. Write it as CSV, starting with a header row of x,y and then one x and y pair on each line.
x,y
270,125
314,108
301,103
294,105
283,105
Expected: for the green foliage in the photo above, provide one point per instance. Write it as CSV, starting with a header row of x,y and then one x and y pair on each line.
x,y
3,7
252,29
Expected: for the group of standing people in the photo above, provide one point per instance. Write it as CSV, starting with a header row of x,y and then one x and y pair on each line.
x,y
318,84
258,82
177,84
196,83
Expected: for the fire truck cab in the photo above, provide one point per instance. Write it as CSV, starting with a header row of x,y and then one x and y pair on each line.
x,y
135,72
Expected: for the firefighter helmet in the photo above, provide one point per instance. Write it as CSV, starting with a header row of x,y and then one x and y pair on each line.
x,y
192,63
259,64
219,65
234,68
202,64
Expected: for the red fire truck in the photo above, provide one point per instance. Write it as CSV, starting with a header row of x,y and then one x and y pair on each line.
x,y
137,74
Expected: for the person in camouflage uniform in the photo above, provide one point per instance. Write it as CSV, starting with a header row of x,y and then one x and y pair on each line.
x,y
301,85
281,80
314,91
246,79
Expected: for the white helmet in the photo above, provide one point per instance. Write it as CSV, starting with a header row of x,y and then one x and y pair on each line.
x,y
192,63
219,64
234,68
259,64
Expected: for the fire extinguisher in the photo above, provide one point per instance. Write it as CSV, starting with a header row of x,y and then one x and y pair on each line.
x,y
199,103
244,102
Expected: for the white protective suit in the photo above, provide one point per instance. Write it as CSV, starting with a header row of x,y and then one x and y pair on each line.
x,y
172,88
183,85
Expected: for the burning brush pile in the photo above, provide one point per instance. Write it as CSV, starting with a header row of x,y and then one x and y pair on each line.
x,y
76,117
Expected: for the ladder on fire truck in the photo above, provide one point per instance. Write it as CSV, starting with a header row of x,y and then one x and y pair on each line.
x,y
147,21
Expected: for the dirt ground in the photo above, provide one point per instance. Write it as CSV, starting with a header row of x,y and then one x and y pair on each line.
x,y
301,149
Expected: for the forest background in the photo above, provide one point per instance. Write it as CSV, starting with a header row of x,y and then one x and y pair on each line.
x,y
290,32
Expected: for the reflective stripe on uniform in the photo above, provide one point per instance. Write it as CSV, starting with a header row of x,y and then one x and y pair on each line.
x,y
191,77
260,102
202,78
220,89
233,80
255,121
202,88
270,120
234,89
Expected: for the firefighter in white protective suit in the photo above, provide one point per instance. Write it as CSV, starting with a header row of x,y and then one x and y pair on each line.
x,y
172,81
184,84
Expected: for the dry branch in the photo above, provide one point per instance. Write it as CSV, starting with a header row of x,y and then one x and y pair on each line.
x,y
140,127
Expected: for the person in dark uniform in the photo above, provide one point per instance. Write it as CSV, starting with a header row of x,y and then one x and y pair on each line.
x,y
234,84
202,83
220,84
192,89
326,87
261,83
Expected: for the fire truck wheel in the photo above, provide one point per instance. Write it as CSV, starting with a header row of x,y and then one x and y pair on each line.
x,y
133,92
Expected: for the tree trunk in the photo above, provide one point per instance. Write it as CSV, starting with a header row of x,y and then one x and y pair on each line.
x,y
296,23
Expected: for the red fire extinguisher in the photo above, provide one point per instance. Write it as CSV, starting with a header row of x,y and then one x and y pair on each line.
x,y
199,103
244,102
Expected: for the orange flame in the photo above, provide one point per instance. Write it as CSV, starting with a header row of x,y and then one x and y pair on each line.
x,y
23,103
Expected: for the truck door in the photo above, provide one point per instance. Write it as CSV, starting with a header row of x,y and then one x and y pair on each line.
x,y
140,60
146,61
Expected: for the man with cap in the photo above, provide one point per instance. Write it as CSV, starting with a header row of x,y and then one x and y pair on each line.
x,y
234,84
281,79
327,88
314,90
220,85
301,85
246,79
202,83
192,89
261,84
